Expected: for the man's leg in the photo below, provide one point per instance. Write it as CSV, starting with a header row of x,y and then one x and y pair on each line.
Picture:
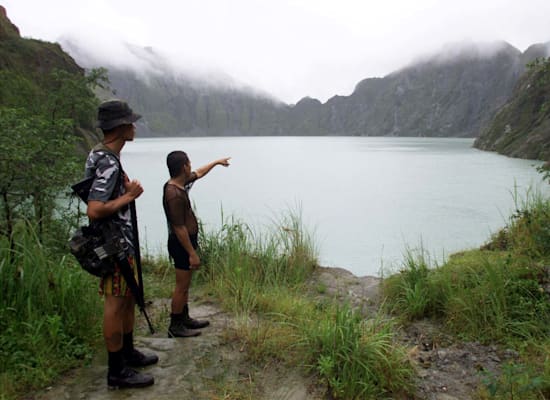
x,y
113,311
129,314
115,317
128,320
132,356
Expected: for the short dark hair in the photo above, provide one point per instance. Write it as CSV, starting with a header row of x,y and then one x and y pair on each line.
x,y
175,161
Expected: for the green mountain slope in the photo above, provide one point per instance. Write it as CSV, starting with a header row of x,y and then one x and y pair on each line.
x,y
40,78
522,126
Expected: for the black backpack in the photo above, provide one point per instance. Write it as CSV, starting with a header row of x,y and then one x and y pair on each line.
x,y
97,247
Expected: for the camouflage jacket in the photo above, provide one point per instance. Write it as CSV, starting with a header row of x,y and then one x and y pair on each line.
x,y
106,168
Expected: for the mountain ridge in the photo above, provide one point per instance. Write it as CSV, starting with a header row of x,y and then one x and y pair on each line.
x,y
453,93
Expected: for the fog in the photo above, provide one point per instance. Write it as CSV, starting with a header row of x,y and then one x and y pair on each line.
x,y
288,48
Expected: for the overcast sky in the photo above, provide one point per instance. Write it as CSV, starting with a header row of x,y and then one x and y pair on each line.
x,y
289,48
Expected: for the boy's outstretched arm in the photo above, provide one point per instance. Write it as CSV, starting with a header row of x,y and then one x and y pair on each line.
x,y
202,171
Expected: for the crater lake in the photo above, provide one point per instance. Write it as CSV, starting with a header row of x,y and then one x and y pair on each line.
x,y
366,200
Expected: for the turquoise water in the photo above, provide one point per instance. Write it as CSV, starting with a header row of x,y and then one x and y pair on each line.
x,y
365,199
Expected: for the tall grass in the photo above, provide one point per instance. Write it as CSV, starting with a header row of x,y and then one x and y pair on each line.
x,y
263,280
49,311
409,291
240,265
357,358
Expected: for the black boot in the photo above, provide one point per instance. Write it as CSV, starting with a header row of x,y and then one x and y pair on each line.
x,y
191,323
129,378
178,329
137,359
120,376
134,357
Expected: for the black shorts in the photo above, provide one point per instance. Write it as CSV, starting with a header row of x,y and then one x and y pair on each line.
x,y
178,253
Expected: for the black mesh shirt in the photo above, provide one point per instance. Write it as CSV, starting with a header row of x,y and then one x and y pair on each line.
x,y
177,207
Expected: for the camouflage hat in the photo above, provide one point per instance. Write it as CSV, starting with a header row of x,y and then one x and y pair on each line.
x,y
113,113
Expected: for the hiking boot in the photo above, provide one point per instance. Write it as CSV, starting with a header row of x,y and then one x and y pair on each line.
x,y
191,323
129,378
137,359
178,329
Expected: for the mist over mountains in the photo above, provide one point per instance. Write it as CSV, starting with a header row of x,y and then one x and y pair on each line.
x,y
454,93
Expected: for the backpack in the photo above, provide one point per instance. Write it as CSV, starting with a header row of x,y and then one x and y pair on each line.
x,y
96,247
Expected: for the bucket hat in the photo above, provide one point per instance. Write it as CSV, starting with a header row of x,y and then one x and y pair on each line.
x,y
113,113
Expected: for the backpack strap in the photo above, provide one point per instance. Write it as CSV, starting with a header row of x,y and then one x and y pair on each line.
x,y
101,147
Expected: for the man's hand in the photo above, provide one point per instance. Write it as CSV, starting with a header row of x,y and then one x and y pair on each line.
x,y
99,209
133,188
194,261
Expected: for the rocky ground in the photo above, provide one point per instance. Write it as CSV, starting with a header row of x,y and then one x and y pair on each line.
x,y
215,366
447,369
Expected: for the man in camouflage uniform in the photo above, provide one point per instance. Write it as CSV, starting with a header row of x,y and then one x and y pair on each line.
x,y
109,198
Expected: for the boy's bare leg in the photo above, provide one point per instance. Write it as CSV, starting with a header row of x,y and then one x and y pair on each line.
x,y
180,296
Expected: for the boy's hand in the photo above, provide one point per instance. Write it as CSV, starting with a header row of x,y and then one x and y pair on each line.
x,y
194,261
224,161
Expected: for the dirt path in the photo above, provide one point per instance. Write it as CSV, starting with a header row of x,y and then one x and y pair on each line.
x,y
212,366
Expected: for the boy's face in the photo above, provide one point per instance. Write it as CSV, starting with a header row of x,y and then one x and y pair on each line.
x,y
187,168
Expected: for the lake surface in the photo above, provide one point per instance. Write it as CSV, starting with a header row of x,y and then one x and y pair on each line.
x,y
366,200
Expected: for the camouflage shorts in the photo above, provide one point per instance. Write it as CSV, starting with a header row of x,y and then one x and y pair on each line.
x,y
115,284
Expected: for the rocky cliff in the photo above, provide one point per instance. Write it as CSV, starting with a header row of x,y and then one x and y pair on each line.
x,y
451,94
521,128
448,95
